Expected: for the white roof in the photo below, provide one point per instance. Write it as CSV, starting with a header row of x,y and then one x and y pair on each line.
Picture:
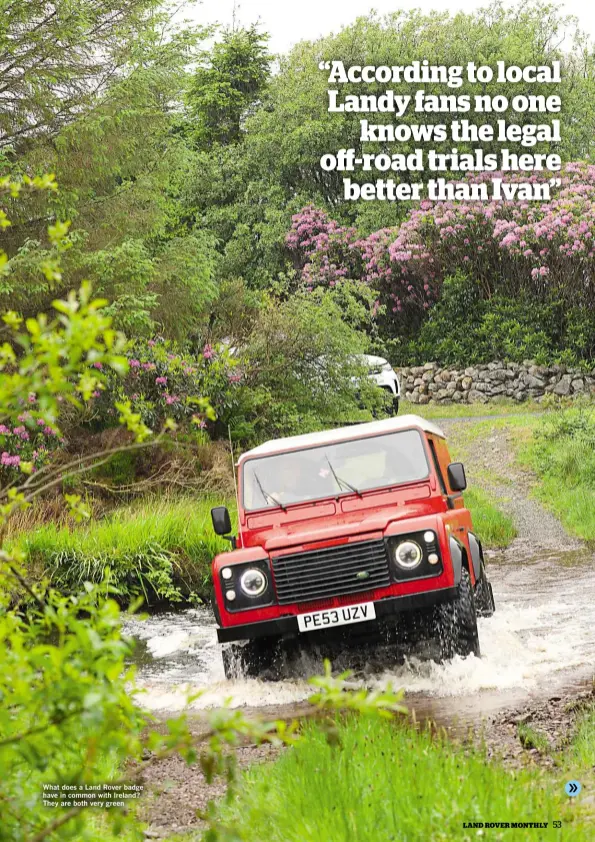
x,y
354,431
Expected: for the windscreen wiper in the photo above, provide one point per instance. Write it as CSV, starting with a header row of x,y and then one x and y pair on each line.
x,y
267,496
342,483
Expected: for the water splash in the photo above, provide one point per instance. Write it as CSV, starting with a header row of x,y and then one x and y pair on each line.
x,y
541,636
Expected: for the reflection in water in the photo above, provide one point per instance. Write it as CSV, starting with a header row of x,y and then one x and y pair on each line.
x,y
542,637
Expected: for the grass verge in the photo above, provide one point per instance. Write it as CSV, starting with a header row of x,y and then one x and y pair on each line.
x,y
562,454
495,528
470,410
582,749
161,549
383,780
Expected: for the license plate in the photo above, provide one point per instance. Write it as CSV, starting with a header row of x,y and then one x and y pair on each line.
x,y
336,617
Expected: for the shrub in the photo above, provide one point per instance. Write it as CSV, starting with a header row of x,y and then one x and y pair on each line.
x,y
69,710
303,370
463,328
323,250
514,250
31,440
162,383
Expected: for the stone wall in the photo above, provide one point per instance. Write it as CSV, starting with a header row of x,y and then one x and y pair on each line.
x,y
431,383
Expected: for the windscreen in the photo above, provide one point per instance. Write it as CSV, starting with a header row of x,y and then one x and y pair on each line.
x,y
330,470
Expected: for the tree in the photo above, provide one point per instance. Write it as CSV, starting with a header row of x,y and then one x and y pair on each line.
x,y
58,57
119,165
288,138
226,88
247,195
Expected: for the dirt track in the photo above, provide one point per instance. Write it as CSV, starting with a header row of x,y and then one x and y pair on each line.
x,y
491,465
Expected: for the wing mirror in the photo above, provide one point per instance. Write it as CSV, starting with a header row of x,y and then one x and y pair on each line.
x,y
222,523
456,476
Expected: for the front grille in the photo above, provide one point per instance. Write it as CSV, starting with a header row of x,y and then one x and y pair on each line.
x,y
330,572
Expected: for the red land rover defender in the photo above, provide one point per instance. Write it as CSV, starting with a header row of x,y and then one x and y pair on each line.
x,y
354,538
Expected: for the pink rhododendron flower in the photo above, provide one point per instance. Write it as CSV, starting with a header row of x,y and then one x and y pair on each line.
x,y
407,264
10,460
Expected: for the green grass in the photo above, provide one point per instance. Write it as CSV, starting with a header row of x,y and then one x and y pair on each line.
x,y
582,749
562,454
530,737
473,410
495,528
387,781
575,507
463,436
98,827
161,548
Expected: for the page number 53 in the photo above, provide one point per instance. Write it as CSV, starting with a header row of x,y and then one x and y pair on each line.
x,y
557,824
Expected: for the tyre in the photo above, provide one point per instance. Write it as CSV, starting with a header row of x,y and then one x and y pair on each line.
x,y
456,623
254,659
484,596
392,403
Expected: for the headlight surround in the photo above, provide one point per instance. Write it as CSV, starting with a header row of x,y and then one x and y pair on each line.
x,y
408,555
253,582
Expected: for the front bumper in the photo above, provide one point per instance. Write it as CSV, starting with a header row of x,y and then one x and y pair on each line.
x,y
288,625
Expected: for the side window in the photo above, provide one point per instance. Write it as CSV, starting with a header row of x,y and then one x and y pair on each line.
x,y
437,466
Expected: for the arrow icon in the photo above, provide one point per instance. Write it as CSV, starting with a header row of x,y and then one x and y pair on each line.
x,y
573,788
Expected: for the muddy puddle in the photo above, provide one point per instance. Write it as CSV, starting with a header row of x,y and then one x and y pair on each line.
x,y
540,641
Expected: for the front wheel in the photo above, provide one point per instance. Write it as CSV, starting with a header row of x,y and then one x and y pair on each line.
x,y
254,659
392,403
456,623
484,596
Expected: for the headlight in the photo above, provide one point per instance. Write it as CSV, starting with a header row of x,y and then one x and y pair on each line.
x,y
253,582
408,555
